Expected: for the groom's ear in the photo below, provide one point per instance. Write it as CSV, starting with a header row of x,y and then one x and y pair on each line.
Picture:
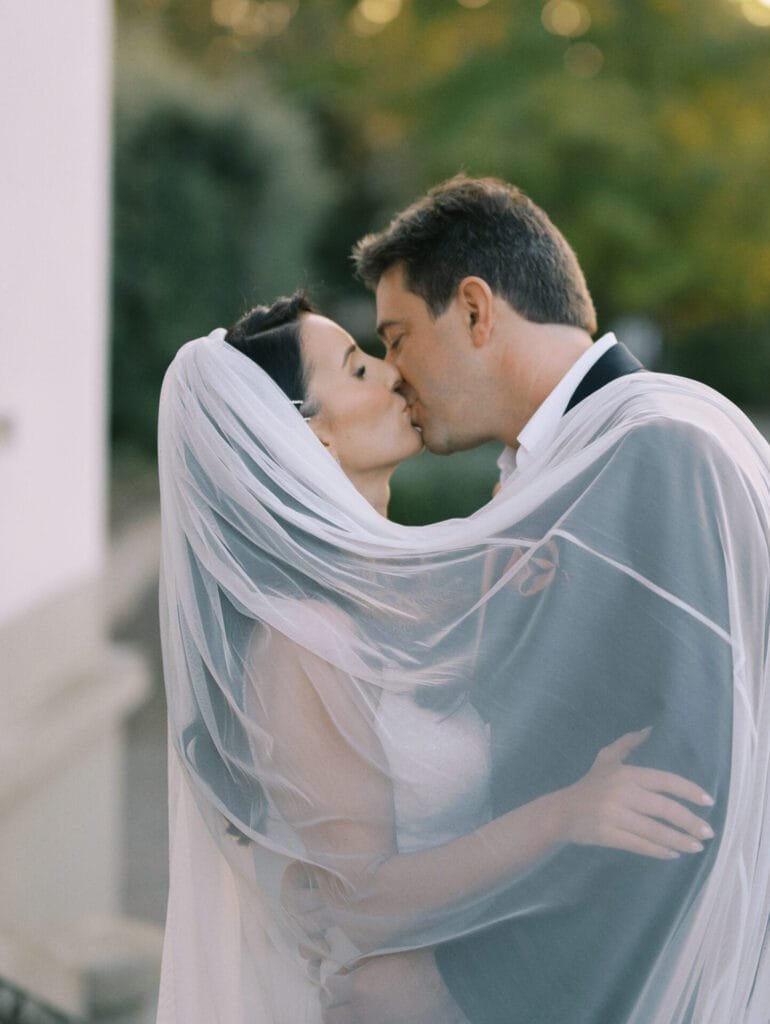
x,y
476,303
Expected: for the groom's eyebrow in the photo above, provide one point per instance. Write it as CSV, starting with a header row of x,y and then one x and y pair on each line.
x,y
385,325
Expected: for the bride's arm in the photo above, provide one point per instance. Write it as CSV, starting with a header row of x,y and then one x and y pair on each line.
x,y
339,798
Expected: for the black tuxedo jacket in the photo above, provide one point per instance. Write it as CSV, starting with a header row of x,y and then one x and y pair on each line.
x,y
585,961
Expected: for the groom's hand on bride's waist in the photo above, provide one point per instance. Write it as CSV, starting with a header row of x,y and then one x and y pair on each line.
x,y
304,903
398,988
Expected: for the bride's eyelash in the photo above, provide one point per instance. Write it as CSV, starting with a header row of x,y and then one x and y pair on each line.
x,y
360,372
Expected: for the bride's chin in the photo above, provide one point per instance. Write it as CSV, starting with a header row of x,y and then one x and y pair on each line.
x,y
409,449
408,444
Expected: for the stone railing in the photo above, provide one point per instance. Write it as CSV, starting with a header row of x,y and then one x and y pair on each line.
x,y
66,953
101,970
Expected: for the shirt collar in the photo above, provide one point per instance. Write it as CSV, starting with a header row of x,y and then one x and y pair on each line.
x,y
540,429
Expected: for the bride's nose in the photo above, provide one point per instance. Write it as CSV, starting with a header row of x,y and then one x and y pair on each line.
x,y
397,383
404,389
393,377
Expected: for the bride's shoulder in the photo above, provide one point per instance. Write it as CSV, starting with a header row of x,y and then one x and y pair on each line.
x,y
312,621
305,628
302,664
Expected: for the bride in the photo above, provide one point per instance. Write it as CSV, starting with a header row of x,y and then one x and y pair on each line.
x,y
328,763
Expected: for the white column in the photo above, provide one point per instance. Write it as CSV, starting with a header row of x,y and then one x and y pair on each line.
x,y
64,690
55,83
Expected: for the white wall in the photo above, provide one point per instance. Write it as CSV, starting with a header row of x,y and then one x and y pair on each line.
x,y
65,691
55,61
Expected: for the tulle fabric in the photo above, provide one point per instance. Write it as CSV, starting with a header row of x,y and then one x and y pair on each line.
x,y
619,581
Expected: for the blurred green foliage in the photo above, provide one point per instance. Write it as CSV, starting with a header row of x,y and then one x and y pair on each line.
x,y
218,197
641,126
429,488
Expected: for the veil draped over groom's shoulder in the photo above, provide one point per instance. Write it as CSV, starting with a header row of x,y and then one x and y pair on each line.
x,y
621,583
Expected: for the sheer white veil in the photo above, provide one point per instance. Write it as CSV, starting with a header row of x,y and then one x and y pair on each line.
x,y
622,582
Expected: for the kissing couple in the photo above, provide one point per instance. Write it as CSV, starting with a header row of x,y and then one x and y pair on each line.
x,y
509,769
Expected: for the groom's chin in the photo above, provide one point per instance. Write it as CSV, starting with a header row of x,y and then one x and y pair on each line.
x,y
437,443
443,442
436,437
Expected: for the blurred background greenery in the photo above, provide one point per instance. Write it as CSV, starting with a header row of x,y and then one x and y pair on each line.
x,y
256,140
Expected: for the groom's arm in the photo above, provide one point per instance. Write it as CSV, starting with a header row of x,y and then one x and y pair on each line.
x,y
589,924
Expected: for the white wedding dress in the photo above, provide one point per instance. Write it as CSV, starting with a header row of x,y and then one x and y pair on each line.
x,y
440,764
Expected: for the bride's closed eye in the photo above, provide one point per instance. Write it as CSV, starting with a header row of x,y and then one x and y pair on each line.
x,y
360,372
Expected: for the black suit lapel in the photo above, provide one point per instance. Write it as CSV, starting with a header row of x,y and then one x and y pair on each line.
x,y
616,362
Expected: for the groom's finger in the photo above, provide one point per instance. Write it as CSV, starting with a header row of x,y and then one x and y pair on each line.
x,y
335,1000
343,1014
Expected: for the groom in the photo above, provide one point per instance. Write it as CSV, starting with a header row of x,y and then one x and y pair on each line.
x,y
483,309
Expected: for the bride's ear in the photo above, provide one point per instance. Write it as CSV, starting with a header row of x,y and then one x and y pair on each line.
x,y
324,435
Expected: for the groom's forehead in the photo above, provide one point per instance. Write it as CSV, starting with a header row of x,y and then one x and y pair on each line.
x,y
396,304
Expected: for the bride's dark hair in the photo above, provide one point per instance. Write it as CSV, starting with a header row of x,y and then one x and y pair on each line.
x,y
270,336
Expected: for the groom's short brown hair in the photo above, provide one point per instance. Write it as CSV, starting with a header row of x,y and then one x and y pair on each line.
x,y
486,228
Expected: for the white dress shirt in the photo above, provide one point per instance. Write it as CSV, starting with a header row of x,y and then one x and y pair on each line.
x,y
540,429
